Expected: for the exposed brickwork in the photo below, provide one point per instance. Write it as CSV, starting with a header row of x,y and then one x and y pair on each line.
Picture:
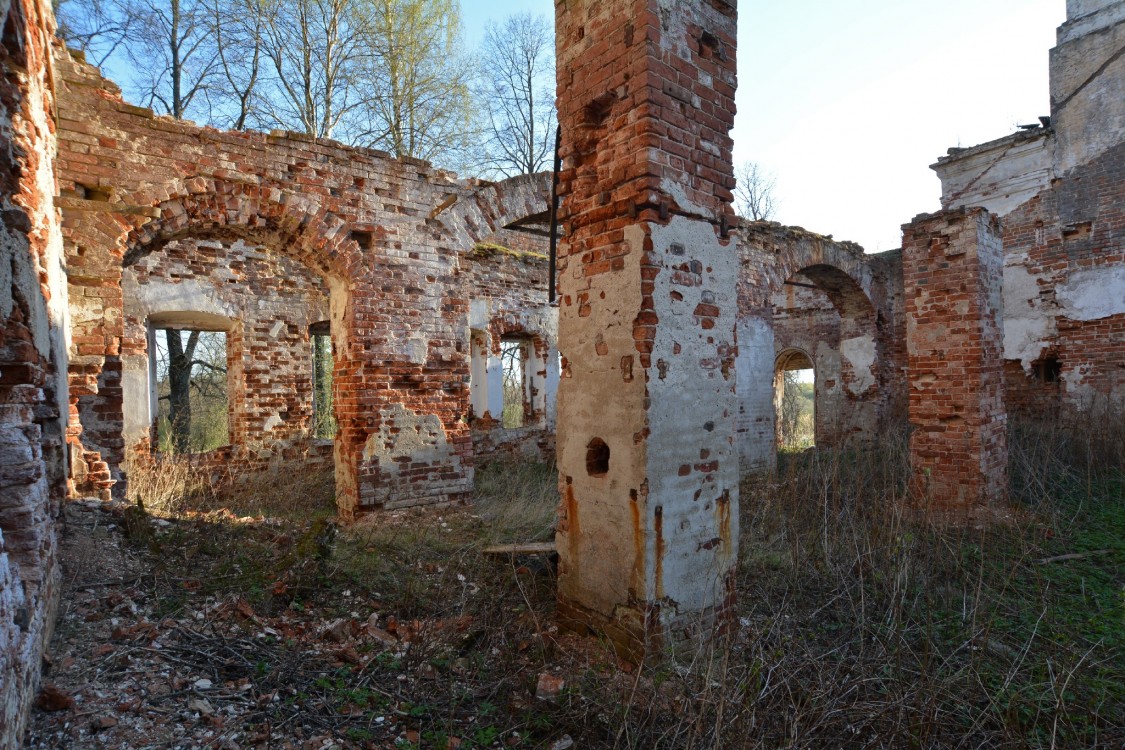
x,y
265,301
1065,268
32,359
857,341
422,279
507,288
385,235
952,265
649,470
1060,193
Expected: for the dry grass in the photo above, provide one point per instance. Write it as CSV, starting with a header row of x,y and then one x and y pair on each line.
x,y
858,625
177,485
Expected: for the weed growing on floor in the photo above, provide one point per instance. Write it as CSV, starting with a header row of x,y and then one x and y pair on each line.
x,y
859,624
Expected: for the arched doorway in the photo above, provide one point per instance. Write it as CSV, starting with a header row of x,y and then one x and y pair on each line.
x,y
794,387
823,321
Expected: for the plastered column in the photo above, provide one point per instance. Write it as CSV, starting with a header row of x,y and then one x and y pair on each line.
x,y
647,456
952,269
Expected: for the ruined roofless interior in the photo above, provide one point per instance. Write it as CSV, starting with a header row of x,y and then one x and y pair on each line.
x,y
651,380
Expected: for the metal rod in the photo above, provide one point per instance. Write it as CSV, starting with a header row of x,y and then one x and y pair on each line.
x,y
554,217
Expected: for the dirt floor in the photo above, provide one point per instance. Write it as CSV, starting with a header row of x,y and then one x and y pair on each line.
x,y
244,618
147,655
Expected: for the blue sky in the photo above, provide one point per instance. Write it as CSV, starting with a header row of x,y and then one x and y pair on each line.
x,y
848,102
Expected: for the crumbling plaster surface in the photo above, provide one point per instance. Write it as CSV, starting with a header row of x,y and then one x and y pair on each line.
x,y
405,440
1093,293
507,283
1065,244
999,175
646,182
692,398
755,369
603,566
1029,320
859,353
689,393
1088,83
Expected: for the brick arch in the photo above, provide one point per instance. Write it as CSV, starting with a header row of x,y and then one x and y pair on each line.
x,y
792,358
294,225
291,225
843,289
843,346
773,254
793,354
502,325
497,205
849,347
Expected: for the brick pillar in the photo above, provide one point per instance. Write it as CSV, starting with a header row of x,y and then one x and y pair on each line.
x,y
646,420
952,269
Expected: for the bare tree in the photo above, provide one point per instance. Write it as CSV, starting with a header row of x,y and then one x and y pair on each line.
x,y
754,192
238,35
420,104
193,372
314,49
97,28
170,45
516,88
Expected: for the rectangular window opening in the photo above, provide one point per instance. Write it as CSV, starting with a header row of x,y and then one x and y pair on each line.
x,y
517,403
324,414
1047,370
191,390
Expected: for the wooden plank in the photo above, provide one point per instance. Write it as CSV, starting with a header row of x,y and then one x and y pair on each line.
x,y
525,548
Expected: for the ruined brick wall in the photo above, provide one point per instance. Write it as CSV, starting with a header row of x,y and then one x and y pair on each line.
x,y
506,283
1064,286
857,342
32,358
265,301
1059,191
386,236
1064,293
805,319
952,265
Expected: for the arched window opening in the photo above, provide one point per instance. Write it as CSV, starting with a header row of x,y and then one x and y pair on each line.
x,y
795,401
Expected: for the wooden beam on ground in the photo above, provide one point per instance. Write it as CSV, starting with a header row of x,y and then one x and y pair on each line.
x,y
525,548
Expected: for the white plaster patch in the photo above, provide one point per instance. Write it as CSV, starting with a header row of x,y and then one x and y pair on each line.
x,y
860,354
1027,326
420,436
1077,390
754,386
136,403
276,329
1093,293
480,313
273,421
416,349
676,190
187,295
